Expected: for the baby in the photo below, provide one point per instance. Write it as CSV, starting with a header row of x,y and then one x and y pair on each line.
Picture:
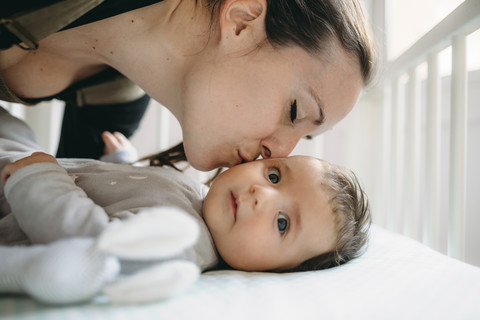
x,y
291,214
288,214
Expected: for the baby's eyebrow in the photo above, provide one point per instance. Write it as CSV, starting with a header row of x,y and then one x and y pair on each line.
x,y
295,224
286,168
298,221
297,217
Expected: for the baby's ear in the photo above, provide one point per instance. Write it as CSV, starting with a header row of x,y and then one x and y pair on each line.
x,y
242,23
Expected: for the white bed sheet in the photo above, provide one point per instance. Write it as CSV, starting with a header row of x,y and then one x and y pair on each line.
x,y
397,278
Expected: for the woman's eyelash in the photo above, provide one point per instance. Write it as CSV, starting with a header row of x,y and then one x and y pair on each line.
x,y
293,111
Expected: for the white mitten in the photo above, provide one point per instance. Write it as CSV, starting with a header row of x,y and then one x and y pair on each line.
x,y
161,281
156,233
63,272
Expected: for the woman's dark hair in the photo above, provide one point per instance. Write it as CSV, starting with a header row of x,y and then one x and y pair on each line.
x,y
173,156
168,157
349,205
312,24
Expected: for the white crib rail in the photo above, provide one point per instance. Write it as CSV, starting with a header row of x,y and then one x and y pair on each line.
x,y
401,144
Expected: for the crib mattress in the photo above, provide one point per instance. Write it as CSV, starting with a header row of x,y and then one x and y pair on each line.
x,y
397,278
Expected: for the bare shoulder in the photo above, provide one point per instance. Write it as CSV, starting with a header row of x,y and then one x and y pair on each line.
x,y
54,66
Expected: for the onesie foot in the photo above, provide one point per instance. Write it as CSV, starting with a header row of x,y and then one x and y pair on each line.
x,y
158,282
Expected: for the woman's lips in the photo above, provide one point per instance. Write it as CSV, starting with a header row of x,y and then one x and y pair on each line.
x,y
233,204
241,158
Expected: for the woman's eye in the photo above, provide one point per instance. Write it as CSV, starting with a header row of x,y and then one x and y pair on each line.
x,y
273,175
282,221
293,111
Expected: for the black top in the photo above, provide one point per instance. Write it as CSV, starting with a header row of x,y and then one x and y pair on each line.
x,y
109,8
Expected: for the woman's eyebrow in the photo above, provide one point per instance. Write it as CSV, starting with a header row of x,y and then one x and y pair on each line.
x,y
316,98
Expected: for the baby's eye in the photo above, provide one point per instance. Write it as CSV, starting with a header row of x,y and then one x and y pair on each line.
x,y
293,111
273,175
282,221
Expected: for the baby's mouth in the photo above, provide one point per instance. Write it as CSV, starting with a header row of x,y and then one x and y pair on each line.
x,y
233,204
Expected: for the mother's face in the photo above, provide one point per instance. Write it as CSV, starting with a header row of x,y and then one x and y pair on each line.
x,y
262,103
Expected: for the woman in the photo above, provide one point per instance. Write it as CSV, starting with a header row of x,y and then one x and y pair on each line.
x,y
243,77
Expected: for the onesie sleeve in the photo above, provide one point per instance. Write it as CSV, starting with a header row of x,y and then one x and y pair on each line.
x,y
49,206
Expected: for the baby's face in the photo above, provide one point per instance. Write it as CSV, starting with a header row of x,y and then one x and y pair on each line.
x,y
270,214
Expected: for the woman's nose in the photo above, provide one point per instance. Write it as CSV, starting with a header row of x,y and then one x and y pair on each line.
x,y
278,147
266,153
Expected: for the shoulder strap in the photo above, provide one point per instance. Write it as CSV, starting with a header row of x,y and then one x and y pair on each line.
x,y
32,21
30,26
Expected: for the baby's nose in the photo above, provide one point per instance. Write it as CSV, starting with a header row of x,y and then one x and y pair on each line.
x,y
260,195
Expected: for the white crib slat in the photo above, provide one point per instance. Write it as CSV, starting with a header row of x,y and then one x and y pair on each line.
x,y
385,195
393,209
458,136
398,164
16,110
45,119
163,127
431,224
411,156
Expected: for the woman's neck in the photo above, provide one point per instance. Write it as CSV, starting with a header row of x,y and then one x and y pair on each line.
x,y
155,46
